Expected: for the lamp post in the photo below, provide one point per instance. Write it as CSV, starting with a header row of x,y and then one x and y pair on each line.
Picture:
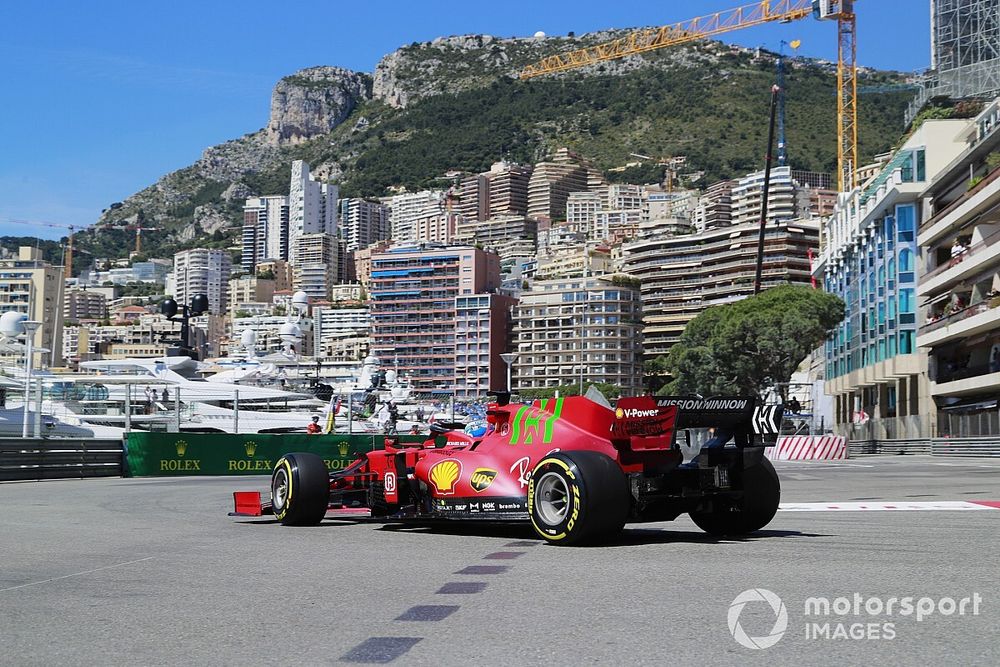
x,y
30,327
508,358
199,306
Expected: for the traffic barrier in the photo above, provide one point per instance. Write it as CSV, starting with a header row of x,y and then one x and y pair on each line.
x,y
808,448
59,458
973,447
170,454
883,447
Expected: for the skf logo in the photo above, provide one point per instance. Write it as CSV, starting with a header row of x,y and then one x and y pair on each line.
x,y
482,478
250,446
181,447
444,475
343,447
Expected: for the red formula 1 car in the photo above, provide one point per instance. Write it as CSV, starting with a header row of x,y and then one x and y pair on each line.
x,y
576,469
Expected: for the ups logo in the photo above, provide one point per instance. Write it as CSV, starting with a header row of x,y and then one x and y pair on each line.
x,y
482,478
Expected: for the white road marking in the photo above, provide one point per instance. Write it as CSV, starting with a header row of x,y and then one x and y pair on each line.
x,y
77,574
883,506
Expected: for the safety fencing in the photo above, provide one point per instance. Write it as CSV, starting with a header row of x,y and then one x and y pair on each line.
x,y
961,447
882,447
808,448
170,454
36,459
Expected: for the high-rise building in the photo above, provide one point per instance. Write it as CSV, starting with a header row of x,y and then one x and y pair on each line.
x,y
316,264
874,366
715,207
582,330
203,271
503,190
415,298
960,286
409,208
581,211
34,287
682,275
782,197
265,231
474,197
363,222
83,304
312,206
553,180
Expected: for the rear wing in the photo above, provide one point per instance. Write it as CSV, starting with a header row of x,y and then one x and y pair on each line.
x,y
744,417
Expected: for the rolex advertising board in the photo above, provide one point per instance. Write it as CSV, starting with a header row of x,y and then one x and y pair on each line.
x,y
150,454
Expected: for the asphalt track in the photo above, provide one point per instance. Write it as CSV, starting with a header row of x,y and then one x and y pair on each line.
x,y
152,571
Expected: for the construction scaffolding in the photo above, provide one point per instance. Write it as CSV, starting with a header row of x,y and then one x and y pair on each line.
x,y
965,52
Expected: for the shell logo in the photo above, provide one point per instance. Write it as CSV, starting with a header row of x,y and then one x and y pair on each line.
x,y
444,475
620,414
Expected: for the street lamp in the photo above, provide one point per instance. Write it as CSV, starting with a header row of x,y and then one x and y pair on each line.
x,y
30,327
508,358
199,305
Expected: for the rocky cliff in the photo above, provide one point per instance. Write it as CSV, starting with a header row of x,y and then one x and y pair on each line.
x,y
456,103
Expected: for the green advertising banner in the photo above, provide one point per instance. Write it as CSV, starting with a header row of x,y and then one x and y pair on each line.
x,y
244,454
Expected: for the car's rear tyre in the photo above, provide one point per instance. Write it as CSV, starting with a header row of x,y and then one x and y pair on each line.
x,y
761,496
578,497
300,489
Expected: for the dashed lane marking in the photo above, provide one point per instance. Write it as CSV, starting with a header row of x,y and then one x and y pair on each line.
x,y
380,650
904,506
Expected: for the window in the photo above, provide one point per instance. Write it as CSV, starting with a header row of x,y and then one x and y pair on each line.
x,y
905,260
906,342
906,301
921,166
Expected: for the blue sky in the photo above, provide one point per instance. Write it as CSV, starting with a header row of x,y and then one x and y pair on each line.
x,y
105,97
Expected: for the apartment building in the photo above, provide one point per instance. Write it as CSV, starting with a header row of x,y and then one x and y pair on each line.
x,y
414,293
364,222
336,332
581,211
203,271
579,331
277,270
873,365
83,304
553,180
315,269
482,334
959,289
265,231
407,209
249,289
683,274
312,206
363,261
783,198
715,206
34,287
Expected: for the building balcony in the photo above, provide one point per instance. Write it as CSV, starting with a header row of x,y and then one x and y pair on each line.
x,y
973,260
961,211
969,381
976,319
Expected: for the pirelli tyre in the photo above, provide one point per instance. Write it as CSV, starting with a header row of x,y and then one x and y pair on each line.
x,y
577,498
761,495
300,489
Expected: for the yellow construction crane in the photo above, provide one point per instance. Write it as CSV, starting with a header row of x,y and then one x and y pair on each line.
x,y
68,250
766,11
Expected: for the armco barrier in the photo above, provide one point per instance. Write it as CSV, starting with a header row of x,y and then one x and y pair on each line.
x,y
808,448
240,454
59,458
883,447
978,447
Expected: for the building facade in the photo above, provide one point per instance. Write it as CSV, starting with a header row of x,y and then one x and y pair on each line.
x,y
82,304
203,271
363,222
315,269
960,286
414,292
34,287
579,331
265,231
683,274
874,369
408,208
312,206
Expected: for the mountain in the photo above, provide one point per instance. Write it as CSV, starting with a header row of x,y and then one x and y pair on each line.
x,y
456,104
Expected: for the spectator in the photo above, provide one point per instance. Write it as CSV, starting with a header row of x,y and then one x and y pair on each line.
x,y
794,406
314,428
150,397
166,395
957,249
